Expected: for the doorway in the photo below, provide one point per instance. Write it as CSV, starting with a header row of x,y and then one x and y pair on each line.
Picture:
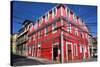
x,y
55,52
69,52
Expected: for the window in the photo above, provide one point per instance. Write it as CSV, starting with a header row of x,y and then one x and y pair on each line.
x,y
85,49
30,49
34,37
40,22
54,12
68,12
46,17
39,45
29,39
74,18
36,26
81,48
53,27
39,34
31,27
26,37
76,31
69,28
75,50
46,31
81,34
24,47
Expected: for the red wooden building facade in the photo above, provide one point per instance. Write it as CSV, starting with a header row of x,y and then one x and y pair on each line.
x,y
59,35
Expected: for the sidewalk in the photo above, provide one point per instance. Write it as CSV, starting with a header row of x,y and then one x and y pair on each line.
x,y
45,61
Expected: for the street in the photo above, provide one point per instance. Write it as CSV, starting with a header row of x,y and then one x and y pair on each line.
x,y
17,60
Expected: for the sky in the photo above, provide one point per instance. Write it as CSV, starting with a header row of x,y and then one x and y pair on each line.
x,y
22,10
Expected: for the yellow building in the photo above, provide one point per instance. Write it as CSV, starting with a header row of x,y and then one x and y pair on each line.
x,y
13,42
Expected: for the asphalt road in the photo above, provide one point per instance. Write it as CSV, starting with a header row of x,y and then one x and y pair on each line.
x,y
17,60
23,61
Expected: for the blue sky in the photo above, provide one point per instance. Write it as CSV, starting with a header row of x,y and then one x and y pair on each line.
x,y
33,10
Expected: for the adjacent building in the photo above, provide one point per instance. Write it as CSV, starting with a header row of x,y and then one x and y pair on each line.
x,y
13,43
59,35
22,38
93,47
